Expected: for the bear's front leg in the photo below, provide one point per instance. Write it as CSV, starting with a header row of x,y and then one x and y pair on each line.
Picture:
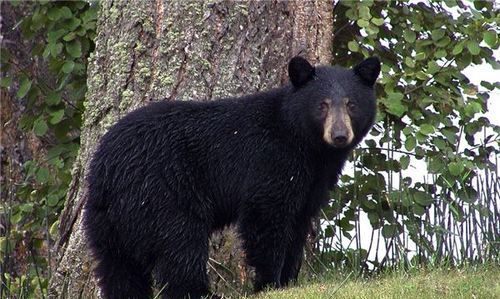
x,y
265,240
295,252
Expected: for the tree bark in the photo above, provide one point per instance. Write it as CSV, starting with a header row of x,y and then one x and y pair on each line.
x,y
180,50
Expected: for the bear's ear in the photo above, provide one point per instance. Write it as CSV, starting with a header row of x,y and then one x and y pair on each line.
x,y
368,70
300,71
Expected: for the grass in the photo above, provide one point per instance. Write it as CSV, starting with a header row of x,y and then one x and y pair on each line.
x,y
482,282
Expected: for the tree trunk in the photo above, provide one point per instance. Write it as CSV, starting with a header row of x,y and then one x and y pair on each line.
x,y
164,50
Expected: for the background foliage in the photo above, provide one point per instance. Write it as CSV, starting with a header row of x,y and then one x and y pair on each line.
x,y
430,114
61,36
430,117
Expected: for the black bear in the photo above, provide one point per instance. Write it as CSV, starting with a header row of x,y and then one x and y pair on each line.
x,y
167,175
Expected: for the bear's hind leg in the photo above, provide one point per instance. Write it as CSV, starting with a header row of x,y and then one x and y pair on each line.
x,y
122,278
181,270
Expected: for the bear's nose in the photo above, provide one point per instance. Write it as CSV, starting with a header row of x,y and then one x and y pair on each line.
x,y
340,141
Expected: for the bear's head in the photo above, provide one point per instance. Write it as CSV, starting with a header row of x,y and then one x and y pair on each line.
x,y
336,106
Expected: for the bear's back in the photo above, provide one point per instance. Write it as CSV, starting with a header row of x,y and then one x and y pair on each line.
x,y
184,145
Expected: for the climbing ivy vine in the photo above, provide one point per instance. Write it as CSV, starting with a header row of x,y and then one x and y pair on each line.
x,y
62,35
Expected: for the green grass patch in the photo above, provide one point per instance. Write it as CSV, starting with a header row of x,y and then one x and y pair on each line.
x,y
481,282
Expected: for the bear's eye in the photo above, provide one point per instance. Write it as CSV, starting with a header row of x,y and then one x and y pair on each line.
x,y
351,106
323,107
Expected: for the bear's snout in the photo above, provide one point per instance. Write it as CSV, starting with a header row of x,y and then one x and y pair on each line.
x,y
337,126
340,141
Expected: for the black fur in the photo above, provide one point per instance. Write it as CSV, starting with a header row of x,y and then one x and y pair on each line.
x,y
169,174
368,70
300,71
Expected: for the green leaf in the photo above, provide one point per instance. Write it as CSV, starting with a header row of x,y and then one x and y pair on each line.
x,y
455,168
410,62
70,36
422,198
420,56
390,230
458,48
7,244
90,14
56,117
362,23
406,200
372,30
5,55
394,105
54,228
487,85
68,66
409,35
404,161
422,75
27,207
432,67
46,52
426,129
72,24
52,200
479,5
407,131
374,218
353,46
53,98
37,21
439,143
370,204
421,138
66,12
440,53
473,47
345,224
418,210
377,21
42,175
74,48
25,122
472,108
490,37
5,82
16,218
24,87
54,13
443,42
435,165
410,143
30,168
396,108
450,134
40,126
57,162
55,49
437,34
53,36
364,12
